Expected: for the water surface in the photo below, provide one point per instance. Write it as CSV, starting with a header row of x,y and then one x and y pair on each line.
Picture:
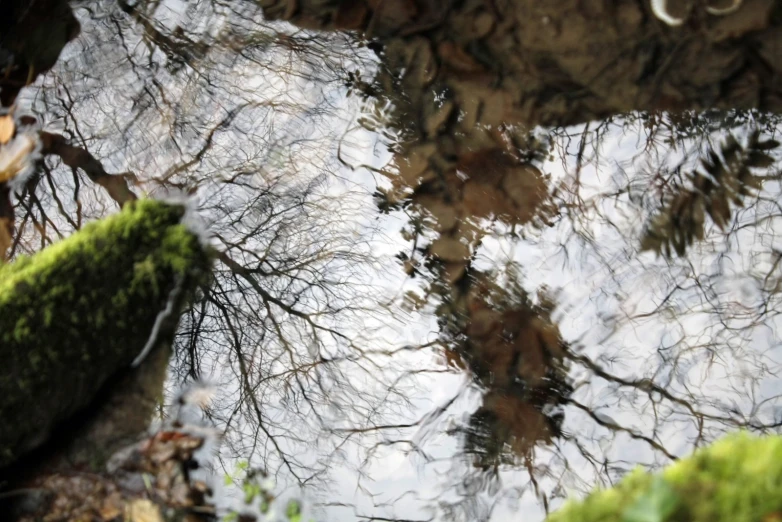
x,y
398,341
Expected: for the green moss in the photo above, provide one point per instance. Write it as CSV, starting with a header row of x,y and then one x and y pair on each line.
x,y
74,314
737,479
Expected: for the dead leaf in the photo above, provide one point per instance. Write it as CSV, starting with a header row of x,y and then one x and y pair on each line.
x,y
7,128
449,249
454,272
482,323
15,156
351,15
443,213
526,187
435,117
454,359
142,510
413,166
5,239
755,16
483,24
532,363
112,506
459,59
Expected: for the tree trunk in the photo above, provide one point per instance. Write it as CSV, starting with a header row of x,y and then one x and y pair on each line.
x,y
82,310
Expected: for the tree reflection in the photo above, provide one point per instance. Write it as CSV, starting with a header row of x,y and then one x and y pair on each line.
x,y
489,326
218,108
728,179
560,354
665,354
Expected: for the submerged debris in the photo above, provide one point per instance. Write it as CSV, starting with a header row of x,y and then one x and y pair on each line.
x,y
148,482
662,9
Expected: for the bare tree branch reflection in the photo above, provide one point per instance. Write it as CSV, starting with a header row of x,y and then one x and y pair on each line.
x,y
532,350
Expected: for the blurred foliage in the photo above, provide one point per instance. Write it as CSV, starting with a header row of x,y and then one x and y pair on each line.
x,y
260,502
726,179
737,479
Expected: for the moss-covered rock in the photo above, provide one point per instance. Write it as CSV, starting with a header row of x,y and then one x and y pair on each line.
x,y
737,479
79,311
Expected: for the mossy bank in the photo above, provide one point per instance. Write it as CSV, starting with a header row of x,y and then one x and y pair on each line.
x,y
737,479
79,311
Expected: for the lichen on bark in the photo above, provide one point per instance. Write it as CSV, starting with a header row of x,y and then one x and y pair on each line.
x,y
737,479
78,312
